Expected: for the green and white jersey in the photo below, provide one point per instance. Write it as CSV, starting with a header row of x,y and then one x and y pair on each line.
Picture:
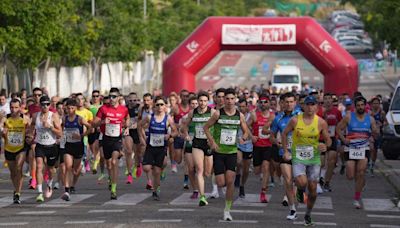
x,y
225,132
199,120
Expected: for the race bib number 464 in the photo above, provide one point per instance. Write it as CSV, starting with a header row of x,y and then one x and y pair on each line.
x,y
304,152
228,137
357,153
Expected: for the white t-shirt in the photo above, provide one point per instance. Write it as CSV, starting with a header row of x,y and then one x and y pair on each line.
x,y
5,109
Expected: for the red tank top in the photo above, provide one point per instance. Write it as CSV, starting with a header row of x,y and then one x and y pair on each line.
x,y
263,140
181,114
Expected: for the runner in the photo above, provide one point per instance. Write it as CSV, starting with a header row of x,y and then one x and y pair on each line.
x,y
245,151
106,101
14,126
156,151
306,129
360,126
260,121
278,126
93,137
226,122
48,128
74,147
380,119
88,117
202,157
112,118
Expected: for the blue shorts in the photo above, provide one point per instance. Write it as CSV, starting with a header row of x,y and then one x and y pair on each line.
x,y
179,142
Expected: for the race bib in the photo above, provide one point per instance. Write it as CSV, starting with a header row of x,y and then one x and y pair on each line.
x,y
101,136
200,132
191,136
15,138
357,153
228,137
304,152
332,131
113,130
43,137
261,135
156,140
133,123
63,140
69,135
289,142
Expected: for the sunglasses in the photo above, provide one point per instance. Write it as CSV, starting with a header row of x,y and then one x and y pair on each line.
x,y
95,95
246,93
263,101
136,100
312,104
44,104
37,95
113,96
160,104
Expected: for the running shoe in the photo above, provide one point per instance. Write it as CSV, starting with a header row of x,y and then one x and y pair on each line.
x,y
174,168
33,184
87,166
16,199
271,184
113,195
357,204
241,192
49,192
156,197
321,181
126,172
27,174
139,171
227,216
285,201
149,185
72,190
327,187
223,190
134,169
40,198
186,184
66,196
163,175
195,195
300,196
214,194
263,198
292,215
203,201
120,163
371,172
308,221
319,189
129,179
100,178
56,185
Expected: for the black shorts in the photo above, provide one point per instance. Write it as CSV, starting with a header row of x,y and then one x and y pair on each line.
x,y
282,161
246,155
111,144
134,135
202,144
154,156
346,156
224,162
178,143
49,152
334,144
275,153
93,137
12,156
61,152
261,154
76,150
188,149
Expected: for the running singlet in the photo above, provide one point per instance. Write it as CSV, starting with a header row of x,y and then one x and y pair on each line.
x,y
191,132
15,140
279,124
44,136
181,113
157,131
225,132
199,120
261,120
94,109
305,142
133,114
116,116
85,114
71,128
247,146
332,117
358,132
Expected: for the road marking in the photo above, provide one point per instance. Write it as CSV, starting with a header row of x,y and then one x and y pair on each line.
x,y
120,226
383,216
8,200
107,211
317,213
174,210
240,221
318,223
160,220
251,200
36,212
385,226
248,211
184,199
129,199
379,205
13,223
75,198
323,202
85,222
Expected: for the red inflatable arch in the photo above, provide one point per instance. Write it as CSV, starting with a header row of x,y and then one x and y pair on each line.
x,y
303,34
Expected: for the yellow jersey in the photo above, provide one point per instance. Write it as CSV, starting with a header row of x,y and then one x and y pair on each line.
x,y
15,138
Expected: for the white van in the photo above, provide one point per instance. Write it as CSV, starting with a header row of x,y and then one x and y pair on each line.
x,y
391,131
286,77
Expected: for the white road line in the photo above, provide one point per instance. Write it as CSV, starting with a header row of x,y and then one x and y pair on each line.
x,y
184,199
107,211
318,223
85,222
13,223
75,198
129,199
251,200
160,220
120,226
174,210
385,226
8,200
383,216
317,213
323,202
36,212
379,205
248,211
240,221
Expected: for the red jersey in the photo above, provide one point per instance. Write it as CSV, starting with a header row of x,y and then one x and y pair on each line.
x,y
34,108
332,117
263,140
116,116
320,111
181,114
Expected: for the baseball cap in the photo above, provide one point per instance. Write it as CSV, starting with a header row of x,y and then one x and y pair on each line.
x,y
310,100
348,101
45,99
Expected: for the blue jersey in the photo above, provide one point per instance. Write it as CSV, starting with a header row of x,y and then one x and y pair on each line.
x,y
279,124
72,127
359,131
157,131
247,147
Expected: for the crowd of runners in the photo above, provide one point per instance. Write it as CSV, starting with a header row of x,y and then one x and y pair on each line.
x,y
220,136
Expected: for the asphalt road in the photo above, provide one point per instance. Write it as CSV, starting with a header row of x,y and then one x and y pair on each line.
x,y
92,207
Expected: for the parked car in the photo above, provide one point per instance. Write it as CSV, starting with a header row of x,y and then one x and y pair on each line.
x,y
391,131
354,46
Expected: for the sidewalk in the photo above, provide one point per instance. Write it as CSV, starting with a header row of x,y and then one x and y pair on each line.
x,y
390,170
